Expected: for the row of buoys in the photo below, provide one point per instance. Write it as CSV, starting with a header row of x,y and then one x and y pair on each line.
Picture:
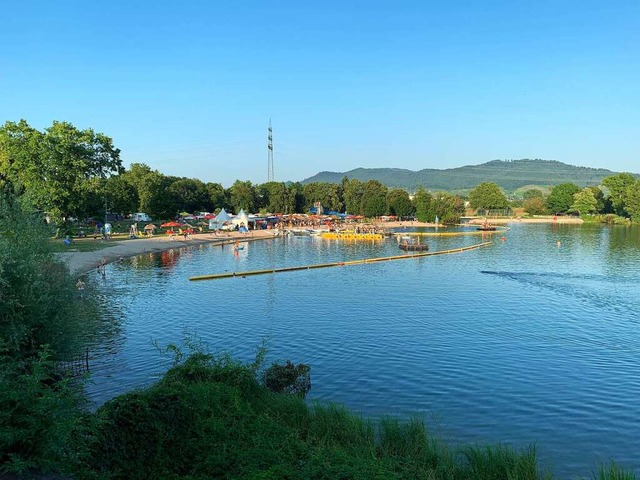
x,y
218,276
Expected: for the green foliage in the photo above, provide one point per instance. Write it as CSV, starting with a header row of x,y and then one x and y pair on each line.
x,y
618,186
399,203
209,418
352,191
288,378
487,196
501,462
448,208
632,201
242,196
38,301
532,193
613,472
561,197
422,201
535,206
584,202
38,412
51,167
374,199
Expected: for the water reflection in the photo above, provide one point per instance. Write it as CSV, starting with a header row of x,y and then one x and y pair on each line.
x,y
524,341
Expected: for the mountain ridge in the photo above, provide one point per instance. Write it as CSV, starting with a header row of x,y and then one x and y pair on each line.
x,y
508,174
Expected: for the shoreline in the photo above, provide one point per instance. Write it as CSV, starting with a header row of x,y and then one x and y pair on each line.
x,y
493,221
80,263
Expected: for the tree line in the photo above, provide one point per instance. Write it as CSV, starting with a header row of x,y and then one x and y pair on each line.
x,y
67,172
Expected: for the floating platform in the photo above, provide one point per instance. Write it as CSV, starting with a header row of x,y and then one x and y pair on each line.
x,y
348,235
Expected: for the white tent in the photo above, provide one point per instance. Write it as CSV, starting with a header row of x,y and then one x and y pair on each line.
x,y
217,223
241,219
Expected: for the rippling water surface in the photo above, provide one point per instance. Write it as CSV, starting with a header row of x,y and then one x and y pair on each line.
x,y
521,342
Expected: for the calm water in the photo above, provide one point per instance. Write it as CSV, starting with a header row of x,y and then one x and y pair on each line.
x,y
520,342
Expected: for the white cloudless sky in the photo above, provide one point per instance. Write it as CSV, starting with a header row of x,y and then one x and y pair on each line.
x,y
189,87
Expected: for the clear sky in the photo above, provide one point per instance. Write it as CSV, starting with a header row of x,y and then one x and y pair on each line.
x,y
188,87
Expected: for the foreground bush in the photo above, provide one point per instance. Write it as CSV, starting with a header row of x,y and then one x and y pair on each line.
x,y
210,418
43,322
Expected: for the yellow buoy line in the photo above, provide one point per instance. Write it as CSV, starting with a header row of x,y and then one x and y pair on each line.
x,y
451,234
218,276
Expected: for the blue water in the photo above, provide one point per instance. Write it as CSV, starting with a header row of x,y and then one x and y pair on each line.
x,y
521,342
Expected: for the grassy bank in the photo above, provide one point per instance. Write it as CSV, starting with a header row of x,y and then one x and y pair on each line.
x,y
211,418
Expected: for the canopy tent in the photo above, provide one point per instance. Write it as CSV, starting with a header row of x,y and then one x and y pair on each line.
x,y
241,219
217,223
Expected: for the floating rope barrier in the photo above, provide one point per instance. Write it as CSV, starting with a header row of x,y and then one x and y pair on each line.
x,y
249,273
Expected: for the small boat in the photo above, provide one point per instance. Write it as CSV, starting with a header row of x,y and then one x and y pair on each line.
x,y
300,232
487,229
414,247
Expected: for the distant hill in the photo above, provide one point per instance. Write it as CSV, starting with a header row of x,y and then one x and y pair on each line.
x,y
509,174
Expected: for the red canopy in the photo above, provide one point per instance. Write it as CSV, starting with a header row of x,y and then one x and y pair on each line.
x,y
171,224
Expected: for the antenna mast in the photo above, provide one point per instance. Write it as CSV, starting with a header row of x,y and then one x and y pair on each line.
x,y
270,175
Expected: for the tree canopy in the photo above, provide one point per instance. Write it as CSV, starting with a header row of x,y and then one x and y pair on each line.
x,y
487,196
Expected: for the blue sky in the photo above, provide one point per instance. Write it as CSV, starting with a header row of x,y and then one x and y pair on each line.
x,y
189,87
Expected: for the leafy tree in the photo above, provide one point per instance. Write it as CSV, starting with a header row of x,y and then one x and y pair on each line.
x,y
352,191
560,198
618,186
601,203
422,201
584,202
532,193
242,195
217,196
275,198
399,202
328,194
49,167
632,200
151,187
296,198
449,208
374,199
535,206
487,196
189,195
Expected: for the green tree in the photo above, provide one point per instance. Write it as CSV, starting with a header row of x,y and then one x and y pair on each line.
x,y
275,197
151,188
328,194
618,186
487,196
632,201
532,193
242,196
422,201
448,208
560,198
189,195
584,202
374,199
217,196
352,191
535,206
399,203
50,167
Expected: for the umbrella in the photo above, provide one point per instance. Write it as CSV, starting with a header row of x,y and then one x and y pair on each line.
x,y
151,226
171,224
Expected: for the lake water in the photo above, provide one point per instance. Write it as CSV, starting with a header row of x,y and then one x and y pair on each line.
x,y
520,342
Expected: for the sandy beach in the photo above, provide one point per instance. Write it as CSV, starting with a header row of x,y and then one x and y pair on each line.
x,y
81,262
